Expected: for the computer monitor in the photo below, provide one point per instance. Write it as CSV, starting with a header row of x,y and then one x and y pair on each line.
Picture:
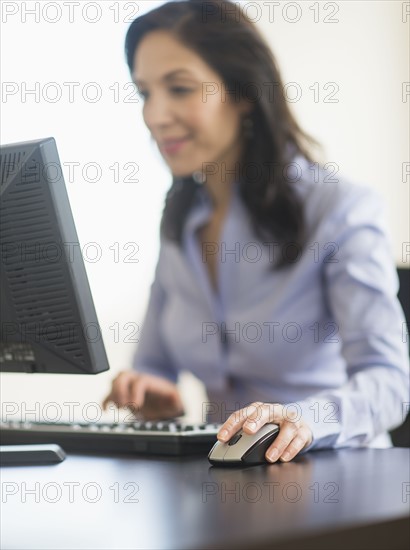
x,y
48,320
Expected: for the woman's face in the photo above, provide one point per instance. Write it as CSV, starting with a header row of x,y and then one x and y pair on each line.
x,y
190,104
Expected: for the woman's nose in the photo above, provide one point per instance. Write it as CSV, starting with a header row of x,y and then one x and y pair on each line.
x,y
157,112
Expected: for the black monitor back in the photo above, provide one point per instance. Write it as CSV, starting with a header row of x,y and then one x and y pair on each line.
x,y
48,318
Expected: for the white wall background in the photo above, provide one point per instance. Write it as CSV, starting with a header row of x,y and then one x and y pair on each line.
x,y
366,133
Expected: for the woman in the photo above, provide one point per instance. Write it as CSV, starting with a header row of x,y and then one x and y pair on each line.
x,y
275,283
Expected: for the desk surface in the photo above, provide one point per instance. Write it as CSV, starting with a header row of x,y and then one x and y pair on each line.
x,y
126,502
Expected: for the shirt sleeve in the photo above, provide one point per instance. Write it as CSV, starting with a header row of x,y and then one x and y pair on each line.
x,y
151,355
361,285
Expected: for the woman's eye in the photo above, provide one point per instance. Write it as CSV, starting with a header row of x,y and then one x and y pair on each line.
x,y
180,90
142,94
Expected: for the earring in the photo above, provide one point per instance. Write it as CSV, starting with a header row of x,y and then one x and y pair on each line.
x,y
247,125
199,177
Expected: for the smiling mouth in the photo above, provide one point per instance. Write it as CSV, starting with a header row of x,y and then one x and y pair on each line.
x,y
173,146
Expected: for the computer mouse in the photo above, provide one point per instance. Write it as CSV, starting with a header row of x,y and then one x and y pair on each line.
x,y
244,448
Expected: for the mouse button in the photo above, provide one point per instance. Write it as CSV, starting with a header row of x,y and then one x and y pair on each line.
x,y
268,429
256,453
236,452
218,451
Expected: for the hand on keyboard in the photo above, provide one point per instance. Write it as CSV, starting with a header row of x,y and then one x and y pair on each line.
x,y
151,396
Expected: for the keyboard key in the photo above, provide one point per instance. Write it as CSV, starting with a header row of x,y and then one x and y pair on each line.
x,y
164,427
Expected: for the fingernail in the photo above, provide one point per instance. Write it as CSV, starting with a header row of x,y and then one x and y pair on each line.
x,y
223,434
285,456
273,455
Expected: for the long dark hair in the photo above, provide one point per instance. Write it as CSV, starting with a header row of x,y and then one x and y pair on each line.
x,y
229,42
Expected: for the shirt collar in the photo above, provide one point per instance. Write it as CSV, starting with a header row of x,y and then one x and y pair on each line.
x,y
202,207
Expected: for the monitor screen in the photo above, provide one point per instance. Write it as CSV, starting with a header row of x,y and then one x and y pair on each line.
x,y
48,319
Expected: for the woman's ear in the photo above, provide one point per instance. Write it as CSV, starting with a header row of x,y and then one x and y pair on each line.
x,y
245,107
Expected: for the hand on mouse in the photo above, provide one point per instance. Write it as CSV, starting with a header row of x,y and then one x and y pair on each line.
x,y
152,396
294,433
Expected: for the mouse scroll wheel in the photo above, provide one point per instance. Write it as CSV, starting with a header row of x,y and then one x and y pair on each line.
x,y
234,439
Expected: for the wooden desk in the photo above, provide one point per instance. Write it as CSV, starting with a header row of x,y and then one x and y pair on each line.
x,y
354,497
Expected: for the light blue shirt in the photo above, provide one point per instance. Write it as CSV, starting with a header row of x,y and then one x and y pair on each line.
x,y
325,335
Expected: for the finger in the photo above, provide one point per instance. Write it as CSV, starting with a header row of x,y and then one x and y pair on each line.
x,y
138,388
269,412
287,433
110,397
236,420
262,414
107,400
121,389
296,445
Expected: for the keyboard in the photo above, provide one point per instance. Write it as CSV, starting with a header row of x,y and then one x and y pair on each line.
x,y
168,437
